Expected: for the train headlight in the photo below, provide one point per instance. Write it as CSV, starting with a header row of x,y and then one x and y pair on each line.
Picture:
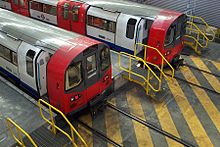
x,y
76,97
167,53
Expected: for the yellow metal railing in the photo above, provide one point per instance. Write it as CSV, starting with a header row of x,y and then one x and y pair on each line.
x,y
163,59
20,131
53,125
195,29
207,27
146,79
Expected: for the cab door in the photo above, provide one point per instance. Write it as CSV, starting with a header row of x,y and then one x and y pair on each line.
x,y
91,61
78,17
42,60
15,6
27,55
126,30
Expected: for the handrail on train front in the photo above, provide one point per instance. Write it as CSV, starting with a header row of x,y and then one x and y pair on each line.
x,y
147,80
53,125
206,24
20,141
161,55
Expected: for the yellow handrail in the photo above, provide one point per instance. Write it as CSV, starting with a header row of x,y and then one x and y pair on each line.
x,y
198,32
146,80
19,131
161,55
192,18
54,127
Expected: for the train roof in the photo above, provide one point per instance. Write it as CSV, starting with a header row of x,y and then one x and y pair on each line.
x,y
126,7
35,32
49,2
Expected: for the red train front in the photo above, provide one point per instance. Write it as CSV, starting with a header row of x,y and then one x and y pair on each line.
x,y
79,74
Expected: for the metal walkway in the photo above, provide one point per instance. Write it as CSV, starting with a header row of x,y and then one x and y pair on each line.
x,y
19,107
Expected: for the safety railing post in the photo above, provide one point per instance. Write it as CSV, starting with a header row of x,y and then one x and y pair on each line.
x,y
52,122
129,68
148,82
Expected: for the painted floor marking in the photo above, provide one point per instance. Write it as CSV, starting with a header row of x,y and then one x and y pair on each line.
x,y
142,132
192,120
204,99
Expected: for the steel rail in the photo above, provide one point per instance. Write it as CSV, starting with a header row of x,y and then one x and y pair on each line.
x,y
152,126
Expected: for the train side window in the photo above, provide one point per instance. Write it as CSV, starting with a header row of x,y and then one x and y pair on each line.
x,y
22,3
73,76
29,62
101,23
5,53
131,28
75,13
36,6
49,9
105,58
66,11
15,2
91,66
14,58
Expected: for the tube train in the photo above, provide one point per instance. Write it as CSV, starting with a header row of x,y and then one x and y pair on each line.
x,y
70,69
118,23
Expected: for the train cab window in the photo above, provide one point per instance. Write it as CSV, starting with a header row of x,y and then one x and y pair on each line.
x,y
66,11
91,66
49,9
178,31
169,36
36,6
15,2
131,28
105,58
75,13
29,62
14,58
73,76
5,53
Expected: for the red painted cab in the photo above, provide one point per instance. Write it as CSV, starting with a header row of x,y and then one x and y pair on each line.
x,y
78,73
20,7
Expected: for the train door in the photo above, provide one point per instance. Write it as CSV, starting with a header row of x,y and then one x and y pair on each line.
x,y
126,30
78,17
101,24
20,7
6,4
91,64
42,60
143,31
27,55
63,20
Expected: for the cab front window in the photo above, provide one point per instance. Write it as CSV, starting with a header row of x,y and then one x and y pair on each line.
x,y
73,76
105,58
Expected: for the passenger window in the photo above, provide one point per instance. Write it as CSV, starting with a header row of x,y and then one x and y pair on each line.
x,y
73,76
101,23
15,2
14,58
105,58
49,9
131,28
36,6
29,62
5,53
75,13
91,66
22,3
65,11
